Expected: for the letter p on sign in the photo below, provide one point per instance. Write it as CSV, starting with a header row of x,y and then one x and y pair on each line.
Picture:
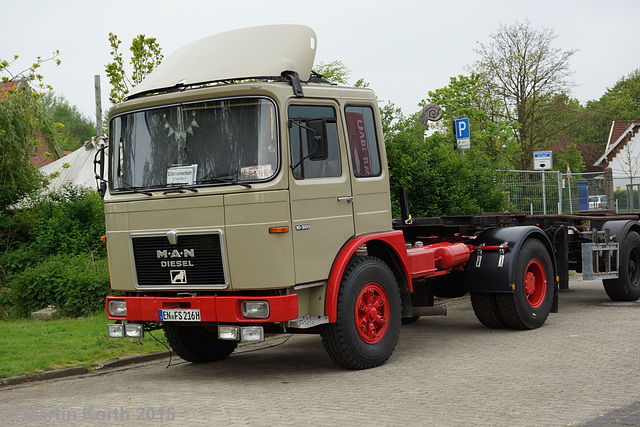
x,y
462,128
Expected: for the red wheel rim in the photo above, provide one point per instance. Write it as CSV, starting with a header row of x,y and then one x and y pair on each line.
x,y
372,313
535,283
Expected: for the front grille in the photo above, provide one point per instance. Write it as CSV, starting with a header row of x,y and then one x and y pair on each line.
x,y
195,260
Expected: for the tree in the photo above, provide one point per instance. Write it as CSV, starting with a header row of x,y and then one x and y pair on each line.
x,y
22,119
468,97
438,180
566,153
621,102
337,73
334,72
145,57
72,127
524,71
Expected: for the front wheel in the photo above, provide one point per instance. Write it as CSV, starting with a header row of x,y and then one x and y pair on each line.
x,y
627,286
530,303
369,316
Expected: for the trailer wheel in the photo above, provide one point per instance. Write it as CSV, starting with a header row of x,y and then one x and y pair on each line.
x,y
369,316
530,303
627,286
197,344
486,309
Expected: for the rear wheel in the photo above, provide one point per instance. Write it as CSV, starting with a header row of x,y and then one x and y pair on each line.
x,y
627,286
530,303
486,309
197,344
369,316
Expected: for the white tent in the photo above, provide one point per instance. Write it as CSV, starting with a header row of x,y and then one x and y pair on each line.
x,y
75,168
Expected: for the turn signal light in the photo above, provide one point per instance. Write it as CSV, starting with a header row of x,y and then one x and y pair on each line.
x,y
276,230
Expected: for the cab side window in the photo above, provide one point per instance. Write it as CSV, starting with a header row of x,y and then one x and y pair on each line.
x,y
304,162
363,141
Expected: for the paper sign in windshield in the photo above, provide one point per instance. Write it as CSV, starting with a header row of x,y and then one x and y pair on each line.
x,y
182,174
256,172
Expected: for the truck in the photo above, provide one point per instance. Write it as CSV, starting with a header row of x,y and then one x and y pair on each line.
x,y
246,196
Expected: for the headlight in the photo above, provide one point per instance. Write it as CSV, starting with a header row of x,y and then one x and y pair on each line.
x,y
134,330
255,309
115,331
251,333
118,308
229,332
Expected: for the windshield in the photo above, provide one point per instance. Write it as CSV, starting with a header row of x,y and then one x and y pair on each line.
x,y
205,143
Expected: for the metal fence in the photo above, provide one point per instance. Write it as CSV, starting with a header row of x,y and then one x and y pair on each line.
x,y
553,192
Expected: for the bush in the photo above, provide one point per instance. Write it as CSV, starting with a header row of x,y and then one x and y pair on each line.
x,y
52,254
67,221
19,259
76,285
438,180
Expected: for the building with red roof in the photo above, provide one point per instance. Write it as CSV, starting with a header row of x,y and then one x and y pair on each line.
x,y
623,148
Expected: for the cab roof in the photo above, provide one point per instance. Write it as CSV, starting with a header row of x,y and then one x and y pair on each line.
x,y
271,51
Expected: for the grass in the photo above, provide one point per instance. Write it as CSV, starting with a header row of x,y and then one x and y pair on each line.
x,y
30,346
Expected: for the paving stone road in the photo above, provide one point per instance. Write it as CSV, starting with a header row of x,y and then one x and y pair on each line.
x,y
579,368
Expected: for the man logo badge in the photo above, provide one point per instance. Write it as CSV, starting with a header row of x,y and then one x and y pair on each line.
x,y
178,277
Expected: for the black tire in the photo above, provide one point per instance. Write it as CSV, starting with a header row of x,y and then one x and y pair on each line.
x,y
197,344
530,303
486,309
627,286
369,341
410,320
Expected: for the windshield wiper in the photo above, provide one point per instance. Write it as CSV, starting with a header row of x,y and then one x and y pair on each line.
x,y
232,181
135,190
179,189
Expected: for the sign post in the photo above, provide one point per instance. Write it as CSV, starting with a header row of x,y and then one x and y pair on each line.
x,y
542,161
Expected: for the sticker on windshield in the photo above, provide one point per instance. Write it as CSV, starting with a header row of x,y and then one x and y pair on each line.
x,y
182,174
256,172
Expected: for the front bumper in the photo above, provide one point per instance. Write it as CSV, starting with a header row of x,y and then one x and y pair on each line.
x,y
213,308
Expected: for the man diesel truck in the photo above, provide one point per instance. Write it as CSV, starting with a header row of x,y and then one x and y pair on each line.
x,y
245,195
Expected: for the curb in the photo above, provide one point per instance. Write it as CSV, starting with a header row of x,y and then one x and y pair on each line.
x,y
81,370
112,364
131,360
42,376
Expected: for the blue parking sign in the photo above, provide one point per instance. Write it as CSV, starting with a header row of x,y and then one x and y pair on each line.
x,y
462,128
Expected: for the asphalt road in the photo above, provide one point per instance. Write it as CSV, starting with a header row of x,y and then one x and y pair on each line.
x,y
449,371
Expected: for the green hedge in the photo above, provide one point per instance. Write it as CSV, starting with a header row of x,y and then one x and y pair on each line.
x,y
76,285
52,255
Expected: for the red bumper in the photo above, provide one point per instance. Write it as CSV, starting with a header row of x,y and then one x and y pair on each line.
x,y
212,308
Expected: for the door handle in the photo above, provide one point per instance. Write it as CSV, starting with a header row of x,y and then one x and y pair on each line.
x,y
349,199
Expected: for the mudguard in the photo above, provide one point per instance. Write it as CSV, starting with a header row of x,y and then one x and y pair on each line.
x,y
388,245
490,273
620,229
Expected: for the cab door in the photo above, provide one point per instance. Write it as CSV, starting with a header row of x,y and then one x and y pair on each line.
x,y
369,177
320,190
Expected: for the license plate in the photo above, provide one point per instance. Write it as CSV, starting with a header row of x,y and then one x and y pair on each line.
x,y
179,315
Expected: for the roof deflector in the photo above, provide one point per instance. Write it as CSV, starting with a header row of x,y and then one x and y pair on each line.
x,y
255,52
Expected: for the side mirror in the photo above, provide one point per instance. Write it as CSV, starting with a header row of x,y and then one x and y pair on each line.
x,y
317,146
98,169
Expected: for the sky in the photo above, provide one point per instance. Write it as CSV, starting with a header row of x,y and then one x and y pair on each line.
x,y
403,48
